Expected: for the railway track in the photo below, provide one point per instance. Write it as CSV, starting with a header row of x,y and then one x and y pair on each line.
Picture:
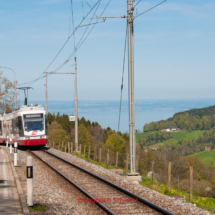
x,y
110,197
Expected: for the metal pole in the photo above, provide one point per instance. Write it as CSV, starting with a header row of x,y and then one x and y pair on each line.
x,y
46,96
76,108
131,87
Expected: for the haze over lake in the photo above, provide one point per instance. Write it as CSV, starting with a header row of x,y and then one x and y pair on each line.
x,y
106,113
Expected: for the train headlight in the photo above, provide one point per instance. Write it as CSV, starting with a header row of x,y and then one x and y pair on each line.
x,y
27,138
42,137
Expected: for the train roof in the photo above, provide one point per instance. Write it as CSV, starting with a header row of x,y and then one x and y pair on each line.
x,y
24,108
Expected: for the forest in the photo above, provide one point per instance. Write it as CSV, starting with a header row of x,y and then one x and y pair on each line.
x,y
60,129
195,119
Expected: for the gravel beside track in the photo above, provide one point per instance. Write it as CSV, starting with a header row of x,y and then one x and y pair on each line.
x,y
52,190
106,193
61,198
176,205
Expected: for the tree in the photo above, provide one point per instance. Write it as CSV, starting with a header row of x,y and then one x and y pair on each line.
x,y
115,142
57,134
7,94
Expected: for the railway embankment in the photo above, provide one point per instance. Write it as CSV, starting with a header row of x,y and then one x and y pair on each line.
x,y
60,198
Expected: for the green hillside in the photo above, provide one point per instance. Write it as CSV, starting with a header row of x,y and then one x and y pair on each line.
x,y
195,119
206,156
176,137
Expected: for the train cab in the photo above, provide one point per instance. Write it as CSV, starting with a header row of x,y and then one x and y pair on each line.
x,y
27,126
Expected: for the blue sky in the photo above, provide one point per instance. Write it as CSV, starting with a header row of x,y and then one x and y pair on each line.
x,y
174,48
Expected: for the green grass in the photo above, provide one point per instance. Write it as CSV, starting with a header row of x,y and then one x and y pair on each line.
x,y
138,136
206,156
176,137
202,202
37,208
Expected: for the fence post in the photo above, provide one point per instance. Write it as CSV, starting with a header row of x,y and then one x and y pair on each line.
x,y
169,176
62,146
68,147
80,151
117,155
100,155
191,184
94,156
71,147
89,154
107,160
152,172
84,150
126,164
137,162
65,147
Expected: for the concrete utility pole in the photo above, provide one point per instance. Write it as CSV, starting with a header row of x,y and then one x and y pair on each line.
x,y
76,99
130,19
76,108
46,96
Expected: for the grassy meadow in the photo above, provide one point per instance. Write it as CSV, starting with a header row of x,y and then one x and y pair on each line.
x,y
176,137
206,156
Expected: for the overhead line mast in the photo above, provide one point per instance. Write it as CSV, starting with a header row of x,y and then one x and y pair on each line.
x,y
76,99
130,19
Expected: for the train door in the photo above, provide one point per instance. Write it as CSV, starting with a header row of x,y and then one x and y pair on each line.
x,y
20,126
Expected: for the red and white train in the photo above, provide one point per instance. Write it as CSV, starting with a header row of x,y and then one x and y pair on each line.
x,y
27,126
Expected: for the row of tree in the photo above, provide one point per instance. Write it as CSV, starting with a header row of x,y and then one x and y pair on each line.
x,y
186,147
97,137
196,119
153,138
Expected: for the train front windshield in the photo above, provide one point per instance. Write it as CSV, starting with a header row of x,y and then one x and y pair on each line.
x,y
33,122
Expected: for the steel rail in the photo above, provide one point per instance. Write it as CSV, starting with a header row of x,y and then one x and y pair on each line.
x,y
140,199
101,205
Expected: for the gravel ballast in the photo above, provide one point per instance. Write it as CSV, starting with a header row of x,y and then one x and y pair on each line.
x,y
61,198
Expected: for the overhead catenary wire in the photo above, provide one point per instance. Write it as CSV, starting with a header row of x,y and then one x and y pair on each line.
x,y
150,8
73,25
80,43
33,81
123,69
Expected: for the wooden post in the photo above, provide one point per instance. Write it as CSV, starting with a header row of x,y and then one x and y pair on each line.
x,y
62,146
68,147
89,154
100,156
84,150
117,155
80,150
169,176
137,162
191,184
65,146
126,164
107,160
152,172
71,147
94,156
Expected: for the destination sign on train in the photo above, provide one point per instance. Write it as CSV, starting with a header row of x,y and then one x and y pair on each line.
x,y
35,115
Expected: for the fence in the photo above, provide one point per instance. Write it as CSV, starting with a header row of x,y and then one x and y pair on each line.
x,y
170,174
